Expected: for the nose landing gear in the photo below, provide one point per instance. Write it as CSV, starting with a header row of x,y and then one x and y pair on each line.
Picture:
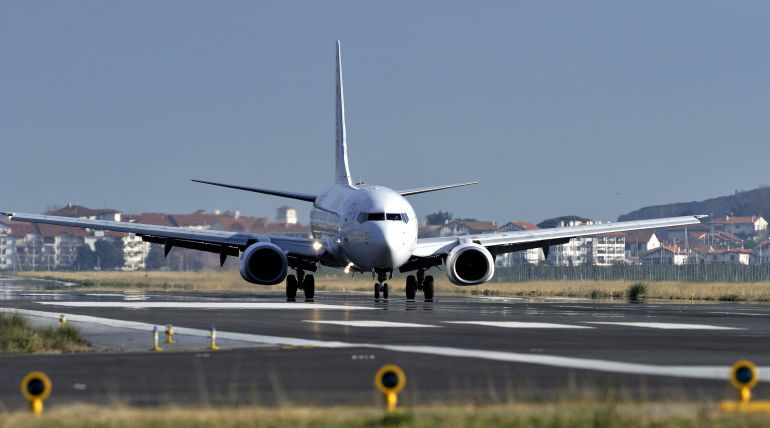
x,y
420,282
381,286
305,282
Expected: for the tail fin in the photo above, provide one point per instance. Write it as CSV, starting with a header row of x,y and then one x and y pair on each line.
x,y
342,170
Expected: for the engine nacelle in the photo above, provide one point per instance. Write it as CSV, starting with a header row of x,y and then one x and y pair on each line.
x,y
264,263
470,264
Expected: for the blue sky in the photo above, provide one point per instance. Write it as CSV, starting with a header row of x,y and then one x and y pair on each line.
x,y
575,107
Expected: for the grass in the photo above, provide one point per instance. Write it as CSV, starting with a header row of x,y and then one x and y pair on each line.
x,y
17,336
512,415
230,280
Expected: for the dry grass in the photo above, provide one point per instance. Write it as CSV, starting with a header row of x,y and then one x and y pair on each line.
x,y
230,280
17,336
512,415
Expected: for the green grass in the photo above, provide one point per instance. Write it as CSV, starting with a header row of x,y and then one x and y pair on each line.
x,y
17,336
556,415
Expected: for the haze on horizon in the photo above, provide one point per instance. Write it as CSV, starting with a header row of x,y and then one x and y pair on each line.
x,y
590,108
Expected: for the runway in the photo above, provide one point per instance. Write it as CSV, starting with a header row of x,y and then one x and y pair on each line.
x,y
456,349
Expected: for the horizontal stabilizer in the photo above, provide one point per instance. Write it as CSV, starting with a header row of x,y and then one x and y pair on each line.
x,y
291,195
433,188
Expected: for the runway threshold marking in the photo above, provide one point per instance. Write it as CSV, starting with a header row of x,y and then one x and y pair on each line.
x,y
363,323
666,326
519,324
204,305
689,371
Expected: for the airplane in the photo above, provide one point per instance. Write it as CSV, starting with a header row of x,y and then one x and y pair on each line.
x,y
358,228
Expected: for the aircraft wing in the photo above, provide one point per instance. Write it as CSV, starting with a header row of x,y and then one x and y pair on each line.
x,y
505,242
215,241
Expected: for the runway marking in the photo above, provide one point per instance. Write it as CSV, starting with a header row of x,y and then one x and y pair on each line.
x,y
666,326
203,305
688,371
739,313
371,323
518,324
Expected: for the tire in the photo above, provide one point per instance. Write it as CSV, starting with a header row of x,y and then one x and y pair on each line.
x,y
427,288
411,287
291,288
385,291
376,291
308,287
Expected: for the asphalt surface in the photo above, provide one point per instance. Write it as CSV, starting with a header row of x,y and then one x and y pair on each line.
x,y
456,349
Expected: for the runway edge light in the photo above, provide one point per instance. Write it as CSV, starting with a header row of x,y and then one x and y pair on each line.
x,y
36,387
744,376
390,380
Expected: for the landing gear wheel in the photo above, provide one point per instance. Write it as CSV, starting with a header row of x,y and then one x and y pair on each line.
x,y
291,288
411,287
309,288
377,291
427,288
385,291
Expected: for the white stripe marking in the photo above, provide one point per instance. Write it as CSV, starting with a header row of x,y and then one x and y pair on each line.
x,y
370,323
666,326
688,371
518,324
203,305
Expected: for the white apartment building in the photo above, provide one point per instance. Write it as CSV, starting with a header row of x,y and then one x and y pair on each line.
x,y
7,247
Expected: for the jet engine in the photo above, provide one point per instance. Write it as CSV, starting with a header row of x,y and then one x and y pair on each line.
x,y
470,264
264,263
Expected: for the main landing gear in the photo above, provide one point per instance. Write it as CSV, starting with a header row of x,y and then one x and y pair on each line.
x,y
420,282
381,286
305,282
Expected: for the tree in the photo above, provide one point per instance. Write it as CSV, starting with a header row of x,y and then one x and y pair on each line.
x,y
85,259
155,258
438,218
109,253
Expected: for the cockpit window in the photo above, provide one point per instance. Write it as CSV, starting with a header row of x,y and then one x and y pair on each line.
x,y
364,217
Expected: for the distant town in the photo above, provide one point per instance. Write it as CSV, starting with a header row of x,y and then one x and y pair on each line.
x,y
29,247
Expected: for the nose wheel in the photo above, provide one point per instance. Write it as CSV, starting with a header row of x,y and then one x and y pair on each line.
x,y
419,283
381,287
300,281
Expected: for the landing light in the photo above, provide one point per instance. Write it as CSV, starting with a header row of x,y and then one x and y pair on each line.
x,y
317,246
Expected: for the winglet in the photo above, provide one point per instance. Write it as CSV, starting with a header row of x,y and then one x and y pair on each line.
x,y
342,170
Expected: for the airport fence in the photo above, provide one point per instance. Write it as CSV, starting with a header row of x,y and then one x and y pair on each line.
x,y
685,273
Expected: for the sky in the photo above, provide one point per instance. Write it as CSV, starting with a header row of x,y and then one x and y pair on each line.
x,y
593,108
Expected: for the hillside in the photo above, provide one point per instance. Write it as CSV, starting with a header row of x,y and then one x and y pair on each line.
x,y
752,202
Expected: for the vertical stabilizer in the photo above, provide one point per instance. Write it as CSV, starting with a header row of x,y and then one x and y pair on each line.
x,y
342,170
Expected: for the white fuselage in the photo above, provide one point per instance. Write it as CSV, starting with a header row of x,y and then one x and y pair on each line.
x,y
372,227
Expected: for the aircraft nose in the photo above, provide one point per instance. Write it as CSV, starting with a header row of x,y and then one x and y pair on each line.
x,y
386,246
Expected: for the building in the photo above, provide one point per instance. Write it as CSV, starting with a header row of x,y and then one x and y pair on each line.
x,y
741,226
532,256
734,256
7,247
467,227
640,242
761,253
665,255
286,215
79,211
608,249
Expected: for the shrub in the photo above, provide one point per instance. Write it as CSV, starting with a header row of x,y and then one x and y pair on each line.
x,y
636,291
